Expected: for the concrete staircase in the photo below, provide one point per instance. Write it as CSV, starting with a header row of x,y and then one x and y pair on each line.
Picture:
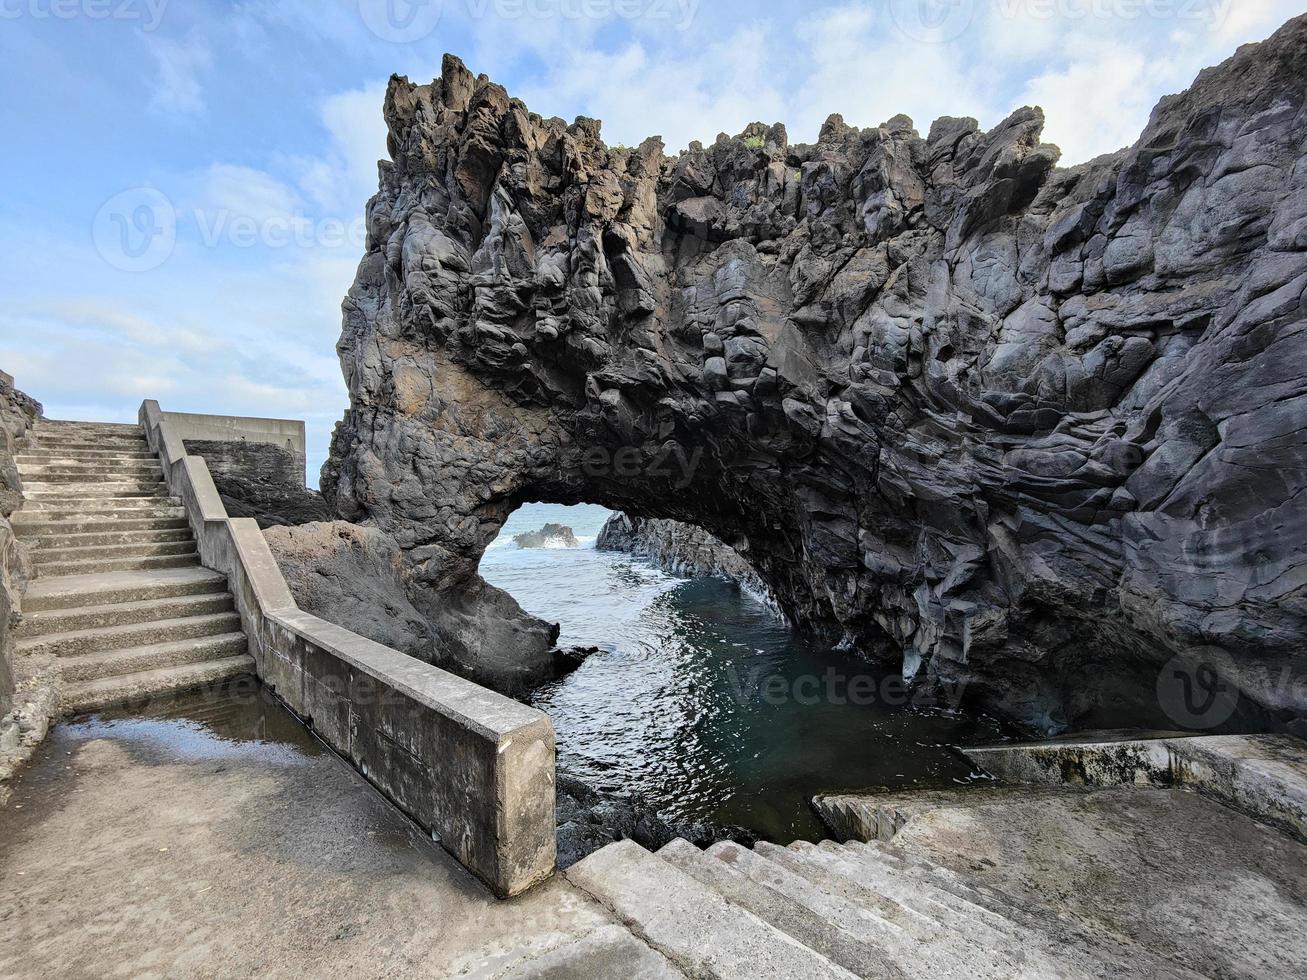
x,y
120,599
831,910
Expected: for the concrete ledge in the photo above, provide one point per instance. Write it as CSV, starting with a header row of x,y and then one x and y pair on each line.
x,y
474,768
286,433
1264,776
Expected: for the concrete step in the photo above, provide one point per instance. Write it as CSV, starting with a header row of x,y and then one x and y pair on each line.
x,y
42,623
101,508
905,936
86,539
65,424
143,472
77,591
34,527
987,944
51,556
52,456
154,656
858,954
101,565
693,926
45,492
48,445
129,635
141,688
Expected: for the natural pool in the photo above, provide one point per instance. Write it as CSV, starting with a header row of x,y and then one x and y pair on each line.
x,y
703,703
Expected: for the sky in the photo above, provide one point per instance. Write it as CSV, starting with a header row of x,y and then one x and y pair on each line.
x,y
186,179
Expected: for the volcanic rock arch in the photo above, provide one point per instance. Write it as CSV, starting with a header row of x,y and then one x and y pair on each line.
x,y
1034,429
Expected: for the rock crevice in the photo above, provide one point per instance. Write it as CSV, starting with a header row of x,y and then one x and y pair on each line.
x,y
1027,428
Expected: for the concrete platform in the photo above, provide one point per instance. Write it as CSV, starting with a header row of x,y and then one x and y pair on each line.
x,y
221,840
1264,776
1170,872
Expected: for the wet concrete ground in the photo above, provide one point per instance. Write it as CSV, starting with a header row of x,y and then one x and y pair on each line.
x,y
216,837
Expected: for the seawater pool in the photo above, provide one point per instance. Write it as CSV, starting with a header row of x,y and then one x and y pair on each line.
x,y
703,703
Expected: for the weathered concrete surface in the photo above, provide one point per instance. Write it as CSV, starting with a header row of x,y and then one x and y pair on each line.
x,y
1170,870
257,465
1031,429
262,481
224,842
1264,776
474,768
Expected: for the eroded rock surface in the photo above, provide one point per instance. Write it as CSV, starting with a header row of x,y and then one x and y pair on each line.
x,y
18,413
1033,429
682,549
550,536
356,576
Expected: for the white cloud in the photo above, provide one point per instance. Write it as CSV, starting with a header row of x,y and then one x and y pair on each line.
x,y
180,64
345,175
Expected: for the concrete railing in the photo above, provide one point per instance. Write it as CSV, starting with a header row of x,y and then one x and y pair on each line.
x,y
472,767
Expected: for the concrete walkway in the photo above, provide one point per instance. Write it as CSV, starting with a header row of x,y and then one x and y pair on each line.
x,y
216,838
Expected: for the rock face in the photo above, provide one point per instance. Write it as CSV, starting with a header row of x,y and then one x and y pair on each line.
x,y
1027,428
549,536
262,481
18,413
355,577
682,549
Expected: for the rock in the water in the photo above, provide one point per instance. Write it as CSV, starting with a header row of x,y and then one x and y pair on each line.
x,y
588,820
682,549
1033,430
549,536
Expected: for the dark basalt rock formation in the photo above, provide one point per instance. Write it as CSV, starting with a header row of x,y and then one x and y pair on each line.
x,y
589,819
1030,428
262,481
682,549
355,577
18,413
549,536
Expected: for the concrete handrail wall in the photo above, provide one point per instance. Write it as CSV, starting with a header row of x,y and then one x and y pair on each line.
x,y
287,433
474,768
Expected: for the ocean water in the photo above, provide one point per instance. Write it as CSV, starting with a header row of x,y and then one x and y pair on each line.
x,y
703,703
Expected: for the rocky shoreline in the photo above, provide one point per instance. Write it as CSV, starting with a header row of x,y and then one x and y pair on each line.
x,y
683,549
1028,429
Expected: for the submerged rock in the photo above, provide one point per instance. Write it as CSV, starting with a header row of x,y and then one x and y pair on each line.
x,y
588,820
1030,430
549,536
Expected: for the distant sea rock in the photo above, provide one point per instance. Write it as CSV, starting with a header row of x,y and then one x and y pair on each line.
x,y
549,536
